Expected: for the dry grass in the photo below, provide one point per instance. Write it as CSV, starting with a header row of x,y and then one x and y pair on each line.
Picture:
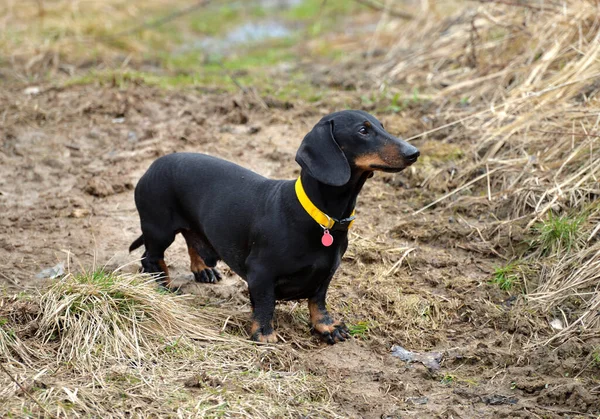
x,y
110,317
56,36
382,305
98,344
571,289
15,317
523,82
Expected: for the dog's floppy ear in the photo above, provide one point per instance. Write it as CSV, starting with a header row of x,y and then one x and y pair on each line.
x,y
321,156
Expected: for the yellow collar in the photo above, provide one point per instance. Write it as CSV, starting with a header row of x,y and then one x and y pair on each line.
x,y
319,216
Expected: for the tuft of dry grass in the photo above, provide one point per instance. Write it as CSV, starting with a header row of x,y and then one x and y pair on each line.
x,y
528,92
107,316
16,316
107,343
570,291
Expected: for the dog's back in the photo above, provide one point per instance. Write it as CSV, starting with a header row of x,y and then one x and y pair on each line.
x,y
214,197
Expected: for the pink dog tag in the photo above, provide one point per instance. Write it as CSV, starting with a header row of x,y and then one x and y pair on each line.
x,y
327,239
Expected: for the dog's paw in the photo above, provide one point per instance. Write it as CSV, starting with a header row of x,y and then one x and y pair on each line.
x,y
259,337
208,275
332,333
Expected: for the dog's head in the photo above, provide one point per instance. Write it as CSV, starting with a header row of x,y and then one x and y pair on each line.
x,y
348,141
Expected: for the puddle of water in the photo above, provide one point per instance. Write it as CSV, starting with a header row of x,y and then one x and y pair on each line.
x,y
275,4
258,31
246,33
253,31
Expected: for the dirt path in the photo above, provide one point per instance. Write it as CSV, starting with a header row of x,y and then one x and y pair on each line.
x,y
70,157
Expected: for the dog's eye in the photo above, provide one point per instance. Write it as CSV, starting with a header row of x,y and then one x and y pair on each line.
x,y
363,130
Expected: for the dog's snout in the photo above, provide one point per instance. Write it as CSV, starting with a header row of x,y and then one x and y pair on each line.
x,y
411,153
414,155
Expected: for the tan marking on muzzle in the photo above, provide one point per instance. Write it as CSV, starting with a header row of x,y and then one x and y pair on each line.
x,y
389,155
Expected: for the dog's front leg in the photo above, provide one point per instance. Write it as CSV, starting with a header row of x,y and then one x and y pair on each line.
x,y
262,297
330,330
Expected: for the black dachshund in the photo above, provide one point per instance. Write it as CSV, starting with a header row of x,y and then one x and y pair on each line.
x,y
286,238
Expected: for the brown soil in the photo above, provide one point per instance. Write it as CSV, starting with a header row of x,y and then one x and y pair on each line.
x,y
69,160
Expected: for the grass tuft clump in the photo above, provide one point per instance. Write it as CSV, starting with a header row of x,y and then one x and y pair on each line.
x,y
360,329
517,275
109,315
15,314
558,234
506,277
109,344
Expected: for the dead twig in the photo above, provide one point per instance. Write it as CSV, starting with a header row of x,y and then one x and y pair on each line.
x,y
576,134
380,7
398,263
523,5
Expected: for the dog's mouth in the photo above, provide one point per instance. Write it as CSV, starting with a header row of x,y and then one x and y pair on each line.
x,y
388,169
394,169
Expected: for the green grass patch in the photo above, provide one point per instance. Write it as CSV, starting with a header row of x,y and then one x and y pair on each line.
x,y
360,329
319,16
214,20
558,234
309,10
214,76
507,277
126,78
596,357
448,379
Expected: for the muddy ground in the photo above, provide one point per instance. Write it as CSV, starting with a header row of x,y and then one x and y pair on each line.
x,y
69,160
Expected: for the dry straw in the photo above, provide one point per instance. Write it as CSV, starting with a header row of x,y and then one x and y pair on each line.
x,y
522,81
109,344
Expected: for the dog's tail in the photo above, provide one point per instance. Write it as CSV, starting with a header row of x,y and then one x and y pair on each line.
x,y
136,243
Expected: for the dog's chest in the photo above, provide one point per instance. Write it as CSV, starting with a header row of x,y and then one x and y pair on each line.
x,y
307,274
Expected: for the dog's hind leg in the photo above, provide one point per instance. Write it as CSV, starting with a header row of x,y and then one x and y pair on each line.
x,y
153,261
203,258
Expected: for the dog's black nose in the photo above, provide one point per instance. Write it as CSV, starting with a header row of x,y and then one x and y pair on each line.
x,y
414,156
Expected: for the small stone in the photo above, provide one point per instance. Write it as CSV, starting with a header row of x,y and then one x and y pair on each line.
x,y
53,272
557,324
32,91
79,213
